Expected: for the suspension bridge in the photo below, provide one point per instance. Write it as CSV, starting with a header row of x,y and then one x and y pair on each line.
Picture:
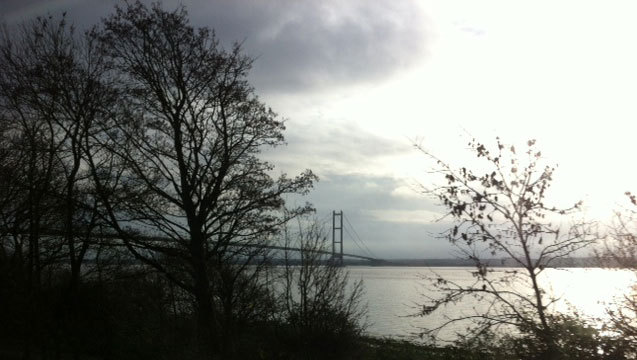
x,y
340,225
337,253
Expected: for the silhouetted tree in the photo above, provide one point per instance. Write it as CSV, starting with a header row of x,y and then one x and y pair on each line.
x,y
52,92
32,175
500,211
183,154
28,174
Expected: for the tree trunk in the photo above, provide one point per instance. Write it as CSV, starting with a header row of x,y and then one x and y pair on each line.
x,y
206,332
205,320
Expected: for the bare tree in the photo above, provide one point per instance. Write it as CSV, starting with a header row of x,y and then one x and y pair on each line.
x,y
500,212
52,90
26,179
33,175
183,153
620,251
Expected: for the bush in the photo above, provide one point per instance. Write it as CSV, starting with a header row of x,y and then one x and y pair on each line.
x,y
322,309
574,339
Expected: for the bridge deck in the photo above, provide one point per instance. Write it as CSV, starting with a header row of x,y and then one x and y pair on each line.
x,y
146,238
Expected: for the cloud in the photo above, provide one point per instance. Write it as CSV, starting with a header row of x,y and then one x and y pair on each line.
x,y
312,44
299,45
331,148
405,216
82,13
407,191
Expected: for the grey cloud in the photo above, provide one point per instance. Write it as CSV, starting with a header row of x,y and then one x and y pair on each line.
x,y
299,45
82,13
328,147
368,41
11,6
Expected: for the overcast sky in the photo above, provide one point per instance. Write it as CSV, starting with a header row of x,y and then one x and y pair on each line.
x,y
360,81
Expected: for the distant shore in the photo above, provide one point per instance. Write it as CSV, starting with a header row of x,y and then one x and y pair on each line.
x,y
591,262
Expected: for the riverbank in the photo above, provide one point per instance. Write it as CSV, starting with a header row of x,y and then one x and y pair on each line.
x,y
391,349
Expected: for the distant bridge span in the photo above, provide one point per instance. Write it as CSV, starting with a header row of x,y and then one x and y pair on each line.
x,y
139,238
284,248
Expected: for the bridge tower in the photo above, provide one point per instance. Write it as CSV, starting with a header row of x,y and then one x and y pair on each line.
x,y
337,237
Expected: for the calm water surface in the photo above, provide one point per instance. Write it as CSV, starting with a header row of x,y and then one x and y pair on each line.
x,y
394,293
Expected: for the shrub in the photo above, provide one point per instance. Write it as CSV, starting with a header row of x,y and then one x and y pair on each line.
x,y
322,309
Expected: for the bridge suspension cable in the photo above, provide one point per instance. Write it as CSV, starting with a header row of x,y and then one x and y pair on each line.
x,y
362,245
356,242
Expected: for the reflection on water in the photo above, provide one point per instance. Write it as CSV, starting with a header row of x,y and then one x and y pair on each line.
x,y
393,293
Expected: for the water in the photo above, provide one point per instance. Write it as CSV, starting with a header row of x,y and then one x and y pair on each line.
x,y
394,293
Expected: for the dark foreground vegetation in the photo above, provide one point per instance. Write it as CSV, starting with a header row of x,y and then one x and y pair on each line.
x,y
137,217
127,314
